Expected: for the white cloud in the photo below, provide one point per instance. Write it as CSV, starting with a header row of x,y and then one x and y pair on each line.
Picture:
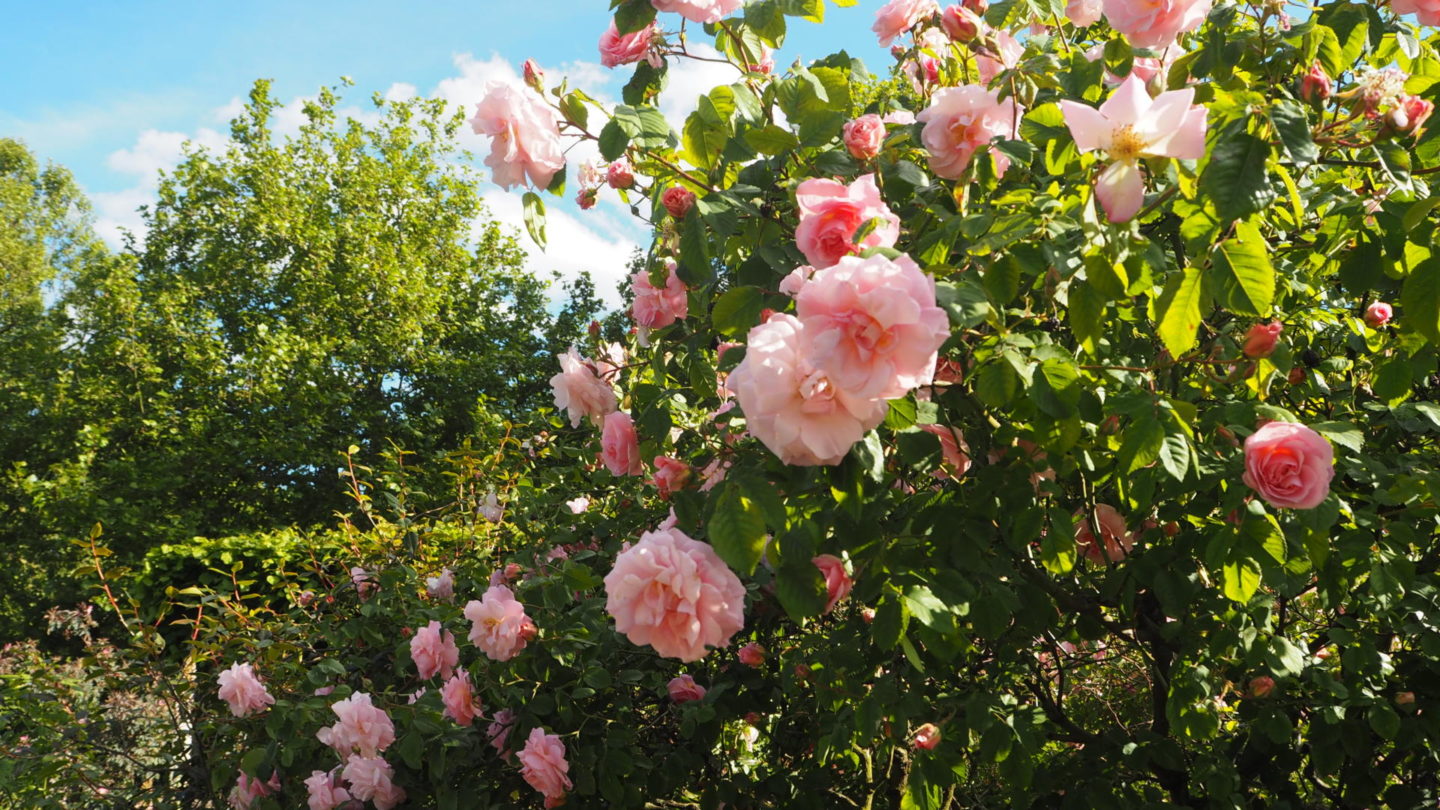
x,y
156,151
574,246
689,79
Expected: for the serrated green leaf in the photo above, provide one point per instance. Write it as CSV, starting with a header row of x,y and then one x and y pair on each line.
x,y
1239,579
737,529
1236,178
1180,308
1244,280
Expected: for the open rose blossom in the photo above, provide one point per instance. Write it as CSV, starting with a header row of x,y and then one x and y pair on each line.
x,y
791,405
961,120
864,136
675,594
1155,23
898,16
441,587
240,688
1084,13
619,446
698,11
618,49
670,475
249,790
1378,314
1261,339
1006,57
1289,465
678,200
372,779
1426,11
524,133
363,727
658,307
1115,536
542,763
831,213
1130,126
433,650
501,628
459,699
872,325
325,791
580,391
498,732
837,582
684,689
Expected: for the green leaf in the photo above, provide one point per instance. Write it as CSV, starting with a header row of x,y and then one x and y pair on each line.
x,y
1175,455
1342,433
694,266
1057,387
812,10
535,217
965,302
737,311
1180,308
1085,309
771,139
1285,659
1292,124
633,15
1420,298
891,619
1057,548
1236,178
1244,280
800,587
703,141
737,529
1142,443
1384,721
901,414
613,140
1239,579
411,748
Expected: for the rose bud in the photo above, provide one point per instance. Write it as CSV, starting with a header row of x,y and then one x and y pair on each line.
x,y
961,24
534,76
867,615
619,175
1378,314
1261,339
752,655
586,197
1317,86
1262,686
594,329
678,201
927,737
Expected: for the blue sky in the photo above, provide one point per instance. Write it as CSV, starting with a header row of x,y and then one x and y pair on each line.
x,y
111,90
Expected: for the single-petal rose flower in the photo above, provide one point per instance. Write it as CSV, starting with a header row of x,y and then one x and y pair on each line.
x,y
864,136
372,779
249,790
498,732
1155,23
658,307
500,627
832,212
242,689
543,765
459,698
619,446
490,508
698,11
1289,465
524,133
1084,13
927,737
752,655
837,582
898,16
683,689
1426,11
670,475
1378,314
622,49
1115,537
363,727
579,391
1261,339
441,587
678,200
1006,58
961,120
325,791
433,650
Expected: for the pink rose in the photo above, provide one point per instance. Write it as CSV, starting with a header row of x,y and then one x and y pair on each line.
x,y
1378,314
363,727
1262,686
619,446
1006,58
500,627
960,23
1155,23
533,75
752,655
1426,11
1316,86
619,175
674,594
670,475
364,586
952,448
1289,465
837,582
578,506
658,307
678,201
872,325
459,699
240,688
498,732
831,213
325,791
864,136
506,574
927,737
684,689
622,49
372,779
525,136
903,118
441,587
698,11
1084,13
1115,536
792,283
961,120
542,763
580,391
434,652
898,16
248,790
1261,339
791,405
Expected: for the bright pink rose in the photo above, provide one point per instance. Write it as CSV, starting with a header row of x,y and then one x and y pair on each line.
x,y
498,732
622,49
678,200
459,699
1155,23
1261,339
752,655
433,650
1115,536
837,582
363,727
525,136
831,213
961,120
1084,13
580,391
1130,125
619,174
1378,314
864,136
248,790
500,626
670,475
898,16
927,737
1426,11
240,688
952,448
791,405
372,779
872,325
675,594
325,791
698,11
1008,56
658,307
683,689
619,446
542,763
1289,465
441,587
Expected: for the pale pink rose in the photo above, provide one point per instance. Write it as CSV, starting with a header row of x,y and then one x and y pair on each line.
x,y
872,325
923,71
898,16
578,506
670,475
524,133
791,405
1289,465
459,699
903,118
1426,11
433,650
864,136
961,120
500,627
1008,56
658,307
1130,125
441,587
619,446
715,471
619,175
622,49
325,791
837,582
580,391
952,448
678,200
505,574
766,65
1378,314
1084,13
557,553
242,689
372,779
364,586
363,727
543,765
586,198
1116,539
1261,339
927,737
752,655
415,696
249,789
699,11
792,283
323,691
674,594
490,508
498,732
683,689
609,361
1155,23
830,214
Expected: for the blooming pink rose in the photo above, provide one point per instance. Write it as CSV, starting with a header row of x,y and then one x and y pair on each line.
x,y
670,475
619,174
683,689
1130,125
248,790
1289,465
903,118
1008,56
1426,11
1115,536
580,391
490,508
434,652
459,699
961,120
898,16
675,594
658,307
1261,339
752,655
927,737
363,727
698,11
505,574
364,586
864,136
792,283
622,49
952,448
793,406
1084,13
619,446
441,587
578,506
500,627
1378,314
1155,23
372,779
837,582
872,325
325,791
678,201
542,763
525,136
240,688
498,732
1262,686
831,213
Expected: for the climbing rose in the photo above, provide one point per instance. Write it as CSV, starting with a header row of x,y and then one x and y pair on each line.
x,y
960,23
961,120
831,213
675,594
872,325
658,307
1116,540
577,506
864,136
434,652
619,446
622,49
1155,23
619,174
1261,686
240,688
898,16
677,200
670,475
525,136
684,689
1006,58
498,732
248,789
1261,339
1084,13
442,586
1130,125
500,627
837,582
363,727
325,791
952,448
1378,314
752,655
371,778
1289,465
927,737
542,763
698,11
459,699
579,391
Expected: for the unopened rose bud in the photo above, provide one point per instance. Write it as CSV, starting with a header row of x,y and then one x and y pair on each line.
x,y
677,200
897,51
586,197
1111,425
1378,314
802,672
752,655
1404,698
1297,376
765,314
961,24
619,175
594,329
752,718
867,615
1316,86
927,737
1261,339
1408,116
1227,435
534,76
1262,686
1171,529
1324,654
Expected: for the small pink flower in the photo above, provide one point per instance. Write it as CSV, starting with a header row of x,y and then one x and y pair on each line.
x,y
441,587
752,654
249,790
525,136
670,475
658,307
586,198
1378,314
434,652
543,765
864,136
459,699
1115,536
832,212
962,120
1084,13
579,391
901,118
364,586
898,16
1155,23
1261,339
372,779
1262,686
506,574
533,75
498,732
699,11
240,688
363,727
952,448
927,737
714,472
1289,465
323,691
500,627
837,582
1316,86
619,175
325,791
792,283
577,506
622,49
678,200
619,446
684,689
961,24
